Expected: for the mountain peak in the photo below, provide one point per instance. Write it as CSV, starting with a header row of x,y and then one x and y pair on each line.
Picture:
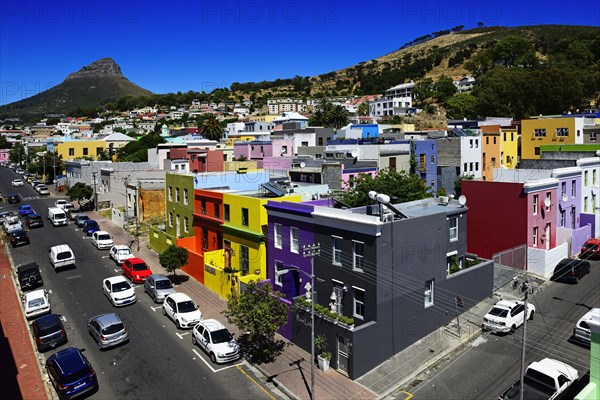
x,y
102,67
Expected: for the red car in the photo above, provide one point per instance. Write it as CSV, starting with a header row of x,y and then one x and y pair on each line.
x,y
136,270
590,250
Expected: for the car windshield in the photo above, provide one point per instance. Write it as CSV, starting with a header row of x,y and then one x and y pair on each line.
x,y
498,312
64,255
35,303
123,252
221,336
114,328
164,284
92,224
186,306
120,286
49,330
60,215
35,218
83,217
140,267
103,237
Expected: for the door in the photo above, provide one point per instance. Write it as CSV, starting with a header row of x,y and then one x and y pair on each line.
x,y
548,236
177,226
343,350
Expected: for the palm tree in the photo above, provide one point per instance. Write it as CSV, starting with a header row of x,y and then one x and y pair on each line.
x,y
212,129
338,116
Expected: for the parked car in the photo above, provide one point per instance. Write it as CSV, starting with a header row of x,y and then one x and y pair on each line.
x,y
36,303
507,315
102,240
43,190
35,182
17,182
29,276
34,221
61,256
119,291
90,226
180,308
136,269
72,213
590,250
570,270
120,253
582,332
14,198
48,332
4,215
18,237
214,338
71,373
12,224
29,178
158,287
60,203
107,330
26,210
38,186
80,219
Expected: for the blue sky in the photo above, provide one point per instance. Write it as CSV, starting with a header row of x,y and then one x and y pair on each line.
x,y
199,45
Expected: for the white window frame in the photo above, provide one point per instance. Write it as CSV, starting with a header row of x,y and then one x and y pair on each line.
x,y
562,132
170,193
294,241
185,196
171,219
335,251
549,197
585,178
358,302
185,224
356,256
429,293
278,266
563,215
277,236
453,238
535,203
573,188
177,198
535,236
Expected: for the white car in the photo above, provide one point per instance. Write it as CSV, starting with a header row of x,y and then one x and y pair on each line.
x,y
182,310
37,303
507,315
60,203
43,190
120,253
582,331
214,338
102,240
12,224
119,291
17,182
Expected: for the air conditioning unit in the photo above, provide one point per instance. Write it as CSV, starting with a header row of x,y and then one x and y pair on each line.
x,y
444,200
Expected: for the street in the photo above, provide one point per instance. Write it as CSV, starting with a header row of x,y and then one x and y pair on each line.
x,y
159,361
485,368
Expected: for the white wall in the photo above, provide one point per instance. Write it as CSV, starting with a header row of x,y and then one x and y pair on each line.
x,y
542,262
470,154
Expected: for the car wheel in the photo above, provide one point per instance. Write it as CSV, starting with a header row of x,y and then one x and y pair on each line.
x,y
178,324
164,311
531,315
576,279
99,346
193,339
213,358
513,328
145,290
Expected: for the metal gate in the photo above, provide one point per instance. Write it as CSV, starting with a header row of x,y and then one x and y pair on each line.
x,y
509,264
343,350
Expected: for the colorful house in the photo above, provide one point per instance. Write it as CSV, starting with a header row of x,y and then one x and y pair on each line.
x,y
590,198
592,390
491,154
549,131
71,149
509,147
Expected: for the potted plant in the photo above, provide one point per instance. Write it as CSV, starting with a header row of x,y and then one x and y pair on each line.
x,y
324,357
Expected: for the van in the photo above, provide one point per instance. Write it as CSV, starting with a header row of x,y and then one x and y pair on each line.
x,y
582,331
61,256
57,216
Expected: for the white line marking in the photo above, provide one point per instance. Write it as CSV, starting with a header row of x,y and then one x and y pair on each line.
x,y
211,367
73,277
50,291
63,318
181,335
116,270
105,256
155,308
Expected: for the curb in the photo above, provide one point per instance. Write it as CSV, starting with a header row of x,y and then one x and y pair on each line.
x,y
275,381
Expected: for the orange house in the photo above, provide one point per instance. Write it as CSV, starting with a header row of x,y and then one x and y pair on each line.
x,y
491,151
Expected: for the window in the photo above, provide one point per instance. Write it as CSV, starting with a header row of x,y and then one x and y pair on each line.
x,y
471,143
536,151
428,293
185,196
504,136
512,136
563,214
205,238
549,197
393,163
535,204
494,139
244,259
85,151
535,236
170,193
465,167
593,136
594,178
573,188
217,210
539,133
572,217
245,217
476,143
358,253
585,204
203,207
176,195
562,132
453,229
432,159
279,267
171,219
359,303
185,224
226,212
563,188
294,243
585,178
71,151
487,141
336,245
277,236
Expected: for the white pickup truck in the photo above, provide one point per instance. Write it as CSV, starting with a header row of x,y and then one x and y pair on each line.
x,y
546,379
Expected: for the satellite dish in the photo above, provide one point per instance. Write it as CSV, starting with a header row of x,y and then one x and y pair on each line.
x,y
547,202
372,195
565,197
462,200
383,198
302,164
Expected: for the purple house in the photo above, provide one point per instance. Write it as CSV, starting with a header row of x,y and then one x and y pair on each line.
x,y
290,227
425,155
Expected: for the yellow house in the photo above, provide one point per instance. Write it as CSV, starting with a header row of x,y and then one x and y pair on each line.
x,y
509,147
71,149
243,257
263,118
544,131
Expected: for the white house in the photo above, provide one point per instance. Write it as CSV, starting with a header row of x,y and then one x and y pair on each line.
x,y
470,156
397,100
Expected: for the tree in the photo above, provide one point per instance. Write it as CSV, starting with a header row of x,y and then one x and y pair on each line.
x,y
80,191
4,144
259,311
461,106
444,88
17,153
173,258
212,128
338,116
363,108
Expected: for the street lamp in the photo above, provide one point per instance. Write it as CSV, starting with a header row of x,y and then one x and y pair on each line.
x,y
95,193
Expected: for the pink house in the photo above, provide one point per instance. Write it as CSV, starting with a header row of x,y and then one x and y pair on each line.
x,y
542,201
4,155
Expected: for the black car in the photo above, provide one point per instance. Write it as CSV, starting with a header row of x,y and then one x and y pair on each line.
x,y
34,221
49,332
14,198
29,276
18,237
570,270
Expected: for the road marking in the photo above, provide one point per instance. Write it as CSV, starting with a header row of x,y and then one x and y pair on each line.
x,y
181,335
64,319
155,308
73,277
256,383
49,291
209,365
408,395
116,270
105,256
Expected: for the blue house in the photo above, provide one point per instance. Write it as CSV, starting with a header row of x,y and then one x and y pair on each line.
x,y
369,131
425,154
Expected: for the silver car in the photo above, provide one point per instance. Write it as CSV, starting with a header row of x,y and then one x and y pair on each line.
x,y
107,330
158,286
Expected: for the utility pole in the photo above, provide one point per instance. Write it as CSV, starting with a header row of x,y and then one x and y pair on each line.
x,y
126,211
94,174
312,250
526,288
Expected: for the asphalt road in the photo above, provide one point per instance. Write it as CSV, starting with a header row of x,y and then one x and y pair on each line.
x,y
486,368
159,362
